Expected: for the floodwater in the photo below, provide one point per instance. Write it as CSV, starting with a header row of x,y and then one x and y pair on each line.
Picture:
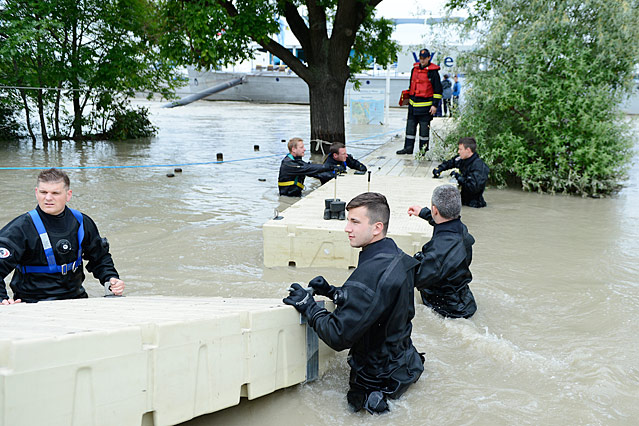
x,y
554,341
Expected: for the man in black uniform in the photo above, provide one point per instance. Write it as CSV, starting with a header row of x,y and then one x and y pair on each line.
x,y
474,173
339,160
443,274
374,310
425,91
45,248
293,169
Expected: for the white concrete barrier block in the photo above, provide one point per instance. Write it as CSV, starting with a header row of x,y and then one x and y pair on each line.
x,y
144,360
83,379
302,238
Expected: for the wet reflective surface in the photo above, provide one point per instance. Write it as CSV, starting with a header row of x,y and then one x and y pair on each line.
x,y
554,340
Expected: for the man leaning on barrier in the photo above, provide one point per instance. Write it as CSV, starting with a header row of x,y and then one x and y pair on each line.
x,y
46,246
374,309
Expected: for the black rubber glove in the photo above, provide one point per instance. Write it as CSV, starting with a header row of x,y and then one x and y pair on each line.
x,y
299,298
322,287
454,174
436,172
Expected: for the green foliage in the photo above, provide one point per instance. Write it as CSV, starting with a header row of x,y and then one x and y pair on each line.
x,y
80,51
9,125
204,34
543,90
374,42
130,123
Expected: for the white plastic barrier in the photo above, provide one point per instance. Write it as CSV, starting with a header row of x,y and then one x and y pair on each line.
x,y
144,360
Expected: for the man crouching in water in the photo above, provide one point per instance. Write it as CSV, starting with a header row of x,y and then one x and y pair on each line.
x,y
374,310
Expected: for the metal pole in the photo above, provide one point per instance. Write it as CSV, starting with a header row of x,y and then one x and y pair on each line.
x,y
387,97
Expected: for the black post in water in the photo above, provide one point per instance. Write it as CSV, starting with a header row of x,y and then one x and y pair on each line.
x,y
220,156
256,147
369,181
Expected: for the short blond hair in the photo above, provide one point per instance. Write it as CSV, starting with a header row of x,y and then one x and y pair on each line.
x,y
292,143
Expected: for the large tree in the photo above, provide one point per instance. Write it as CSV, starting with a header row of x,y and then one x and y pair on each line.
x,y
543,91
338,38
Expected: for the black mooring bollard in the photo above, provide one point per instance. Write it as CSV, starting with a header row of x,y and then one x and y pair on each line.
x,y
177,170
220,156
256,147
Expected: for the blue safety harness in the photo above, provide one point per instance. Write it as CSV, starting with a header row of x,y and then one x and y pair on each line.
x,y
53,267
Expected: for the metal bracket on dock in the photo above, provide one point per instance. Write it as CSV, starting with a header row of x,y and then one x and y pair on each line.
x,y
312,349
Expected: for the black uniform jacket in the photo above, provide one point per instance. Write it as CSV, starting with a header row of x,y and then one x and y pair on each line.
x,y
351,163
373,317
443,274
293,170
21,240
473,177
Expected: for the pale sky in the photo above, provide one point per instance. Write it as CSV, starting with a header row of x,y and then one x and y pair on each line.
x,y
411,34
410,8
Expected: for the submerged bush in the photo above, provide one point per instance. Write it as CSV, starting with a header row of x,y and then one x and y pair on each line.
x,y
9,125
130,123
543,90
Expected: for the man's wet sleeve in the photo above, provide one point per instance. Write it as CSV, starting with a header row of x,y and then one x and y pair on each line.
x,y
96,252
428,271
352,318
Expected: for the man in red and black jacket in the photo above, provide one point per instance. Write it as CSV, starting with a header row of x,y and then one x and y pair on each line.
x,y
425,93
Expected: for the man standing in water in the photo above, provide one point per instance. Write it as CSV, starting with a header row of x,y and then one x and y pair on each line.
x,y
294,169
45,248
374,310
443,274
473,176
339,160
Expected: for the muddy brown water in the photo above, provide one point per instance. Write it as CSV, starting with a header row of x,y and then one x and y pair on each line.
x,y
555,338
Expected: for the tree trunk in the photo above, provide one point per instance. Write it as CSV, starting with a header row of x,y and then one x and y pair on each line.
x,y
327,114
56,113
77,114
23,95
43,121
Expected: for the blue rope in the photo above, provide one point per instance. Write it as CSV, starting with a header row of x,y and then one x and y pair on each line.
x,y
177,164
144,166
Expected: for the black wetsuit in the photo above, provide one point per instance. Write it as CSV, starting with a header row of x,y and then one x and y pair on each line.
x,y
20,244
473,177
375,307
443,274
293,170
350,162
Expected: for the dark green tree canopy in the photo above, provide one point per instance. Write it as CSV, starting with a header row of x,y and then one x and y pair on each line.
x,y
543,91
92,54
